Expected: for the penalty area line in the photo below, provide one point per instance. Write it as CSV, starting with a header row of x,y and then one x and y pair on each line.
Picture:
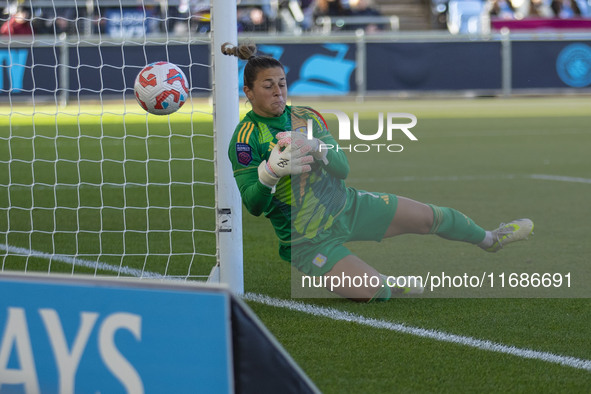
x,y
441,336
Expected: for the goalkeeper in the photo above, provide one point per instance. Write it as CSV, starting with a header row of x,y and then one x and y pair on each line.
x,y
298,184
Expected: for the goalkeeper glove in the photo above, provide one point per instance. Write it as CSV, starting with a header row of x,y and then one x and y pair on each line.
x,y
298,139
285,159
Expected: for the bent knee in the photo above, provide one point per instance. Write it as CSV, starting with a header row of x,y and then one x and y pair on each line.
x,y
411,217
425,223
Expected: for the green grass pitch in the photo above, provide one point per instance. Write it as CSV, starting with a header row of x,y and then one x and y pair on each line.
x,y
478,156
493,159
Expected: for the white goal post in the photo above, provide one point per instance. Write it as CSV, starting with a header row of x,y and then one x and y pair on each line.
x,y
89,182
226,117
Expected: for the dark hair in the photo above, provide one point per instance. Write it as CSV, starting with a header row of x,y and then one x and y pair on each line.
x,y
247,51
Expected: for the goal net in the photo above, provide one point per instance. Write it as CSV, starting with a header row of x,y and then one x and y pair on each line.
x,y
89,182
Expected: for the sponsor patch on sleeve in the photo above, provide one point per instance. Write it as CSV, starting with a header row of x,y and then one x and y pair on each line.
x,y
243,153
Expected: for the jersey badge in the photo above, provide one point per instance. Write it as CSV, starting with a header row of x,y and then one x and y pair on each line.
x,y
319,260
243,153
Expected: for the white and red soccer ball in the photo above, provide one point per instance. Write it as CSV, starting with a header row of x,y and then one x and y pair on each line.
x,y
161,88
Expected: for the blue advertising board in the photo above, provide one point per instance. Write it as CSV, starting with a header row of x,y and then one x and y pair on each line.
x,y
425,66
17,74
311,68
553,64
113,336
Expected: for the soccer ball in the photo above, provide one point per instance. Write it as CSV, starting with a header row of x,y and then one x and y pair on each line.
x,y
161,88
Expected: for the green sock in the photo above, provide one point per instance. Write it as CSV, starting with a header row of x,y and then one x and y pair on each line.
x,y
451,224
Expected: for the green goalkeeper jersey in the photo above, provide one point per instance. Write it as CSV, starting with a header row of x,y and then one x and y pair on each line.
x,y
302,205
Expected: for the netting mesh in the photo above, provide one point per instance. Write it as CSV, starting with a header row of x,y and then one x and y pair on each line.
x,y
89,182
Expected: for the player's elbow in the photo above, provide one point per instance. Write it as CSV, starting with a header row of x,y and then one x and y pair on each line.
x,y
254,210
254,207
344,171
340,172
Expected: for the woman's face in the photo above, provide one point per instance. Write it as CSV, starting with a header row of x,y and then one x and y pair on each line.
x,y
269,92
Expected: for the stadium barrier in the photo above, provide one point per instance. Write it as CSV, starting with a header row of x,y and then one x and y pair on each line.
x,y
340,64
328,23
85,334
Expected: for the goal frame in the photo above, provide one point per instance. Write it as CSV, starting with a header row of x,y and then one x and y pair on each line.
x,y
226,117
227,206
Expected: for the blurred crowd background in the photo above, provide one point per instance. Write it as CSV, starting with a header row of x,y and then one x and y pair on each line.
x,y
126,18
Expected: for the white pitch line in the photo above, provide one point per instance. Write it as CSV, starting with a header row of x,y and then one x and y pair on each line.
x,y
80,262
452,178
559,178
332,313
481,344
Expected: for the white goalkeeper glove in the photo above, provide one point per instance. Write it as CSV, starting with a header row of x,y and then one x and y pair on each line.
x,y
299,139
285,159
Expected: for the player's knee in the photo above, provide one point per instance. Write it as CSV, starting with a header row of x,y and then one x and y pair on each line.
x,y
427,224
425,221
422,219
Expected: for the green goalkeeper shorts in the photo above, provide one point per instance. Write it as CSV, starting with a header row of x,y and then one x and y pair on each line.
x,y
366,217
